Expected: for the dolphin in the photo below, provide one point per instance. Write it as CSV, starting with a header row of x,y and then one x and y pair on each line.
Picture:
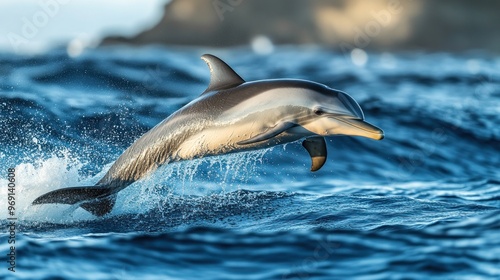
x,y
230,116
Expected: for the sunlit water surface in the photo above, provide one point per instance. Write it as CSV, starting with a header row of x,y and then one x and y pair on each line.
x,y
422,203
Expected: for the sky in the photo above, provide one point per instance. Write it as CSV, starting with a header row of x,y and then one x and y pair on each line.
x,y
34,26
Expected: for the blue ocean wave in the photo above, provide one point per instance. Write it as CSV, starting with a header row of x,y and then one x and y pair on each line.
x,y
422,203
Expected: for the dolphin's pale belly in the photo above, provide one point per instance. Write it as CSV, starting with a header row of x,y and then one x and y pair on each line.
x,y
221,139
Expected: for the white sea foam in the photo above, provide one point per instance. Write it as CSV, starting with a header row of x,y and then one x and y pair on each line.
x,y
196,177
39,177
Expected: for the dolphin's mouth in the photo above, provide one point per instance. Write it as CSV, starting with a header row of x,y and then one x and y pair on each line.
x,y
362,128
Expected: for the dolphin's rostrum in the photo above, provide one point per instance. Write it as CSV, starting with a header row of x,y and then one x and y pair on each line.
x,y
230,116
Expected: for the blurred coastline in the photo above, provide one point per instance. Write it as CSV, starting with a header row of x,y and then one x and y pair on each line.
x,y
380,25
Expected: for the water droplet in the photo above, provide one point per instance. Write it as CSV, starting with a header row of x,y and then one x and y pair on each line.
x,y
262,45
359,57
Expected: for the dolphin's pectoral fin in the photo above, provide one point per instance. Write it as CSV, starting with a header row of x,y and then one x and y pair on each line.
x,y
270,133
316,147
222,76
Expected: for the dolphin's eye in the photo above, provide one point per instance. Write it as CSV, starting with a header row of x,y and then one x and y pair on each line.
x,y
318,112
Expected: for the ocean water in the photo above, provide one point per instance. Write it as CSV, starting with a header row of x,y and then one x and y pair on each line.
x,y
424,203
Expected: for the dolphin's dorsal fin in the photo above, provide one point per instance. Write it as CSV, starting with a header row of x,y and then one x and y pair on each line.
x,y
221,75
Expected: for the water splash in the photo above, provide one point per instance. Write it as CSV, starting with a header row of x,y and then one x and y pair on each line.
x,y
41,176
189,179
165,187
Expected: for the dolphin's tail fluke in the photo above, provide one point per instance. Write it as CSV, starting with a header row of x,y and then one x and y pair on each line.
x,y
98,200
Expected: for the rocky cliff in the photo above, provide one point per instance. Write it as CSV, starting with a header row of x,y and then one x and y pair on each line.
x,y
447,25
